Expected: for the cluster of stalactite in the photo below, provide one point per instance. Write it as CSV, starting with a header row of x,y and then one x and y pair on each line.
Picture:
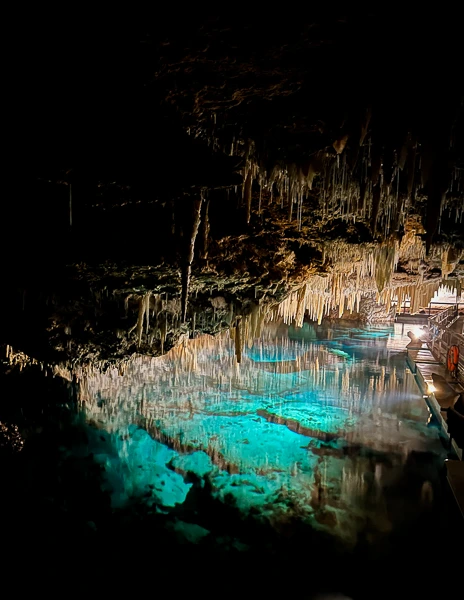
x,y
419,295
353,271
343,291
157,314
450,257
359,182
157,306
412,251
315,300
356,270
371,189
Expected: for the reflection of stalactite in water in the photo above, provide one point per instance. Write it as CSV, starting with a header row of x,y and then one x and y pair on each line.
x,y
180,399
247,328
318,367
238,340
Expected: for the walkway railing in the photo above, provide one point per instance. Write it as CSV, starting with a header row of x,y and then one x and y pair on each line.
x,y
446,317
434,306
442,337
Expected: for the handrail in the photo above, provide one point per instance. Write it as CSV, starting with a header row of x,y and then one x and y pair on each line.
x,y
434,305
442,337
449,316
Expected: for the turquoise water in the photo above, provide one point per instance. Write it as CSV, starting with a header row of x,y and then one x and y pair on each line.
x,y
317,426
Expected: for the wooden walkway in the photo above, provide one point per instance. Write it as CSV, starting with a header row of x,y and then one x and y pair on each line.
x,y
423,356
424,364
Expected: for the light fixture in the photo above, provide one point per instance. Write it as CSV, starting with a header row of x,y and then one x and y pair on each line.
x,y
417,331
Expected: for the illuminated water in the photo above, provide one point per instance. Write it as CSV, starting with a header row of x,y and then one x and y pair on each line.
x,y
321,427
313,466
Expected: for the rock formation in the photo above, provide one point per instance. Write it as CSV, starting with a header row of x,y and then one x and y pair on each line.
x,y
307,170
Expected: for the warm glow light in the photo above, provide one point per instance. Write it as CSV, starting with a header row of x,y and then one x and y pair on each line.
x,y
417,331
431,388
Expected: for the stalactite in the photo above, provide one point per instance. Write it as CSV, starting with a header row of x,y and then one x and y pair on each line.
x,y
385,263
450,257
247,194
147,312
205,231
143,314
70,206
419,294
365,179
126,303
376,192
187,265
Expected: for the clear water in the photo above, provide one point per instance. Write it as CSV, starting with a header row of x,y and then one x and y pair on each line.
x,y
321,428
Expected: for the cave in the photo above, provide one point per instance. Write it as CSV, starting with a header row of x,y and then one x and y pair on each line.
x,y
212,220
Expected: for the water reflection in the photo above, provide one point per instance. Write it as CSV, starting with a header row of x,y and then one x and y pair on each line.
x,y
319,425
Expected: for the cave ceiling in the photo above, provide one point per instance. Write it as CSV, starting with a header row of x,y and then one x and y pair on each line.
x,y
203,170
